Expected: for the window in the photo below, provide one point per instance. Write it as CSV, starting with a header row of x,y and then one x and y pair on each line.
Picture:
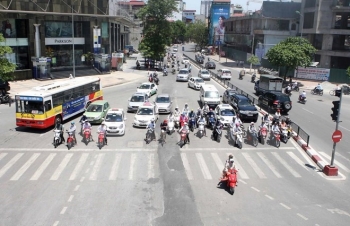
x,y
78,92
57,99
47,105
68,95
310,3
308,21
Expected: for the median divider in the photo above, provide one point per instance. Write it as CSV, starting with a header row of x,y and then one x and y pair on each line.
x,y
298,134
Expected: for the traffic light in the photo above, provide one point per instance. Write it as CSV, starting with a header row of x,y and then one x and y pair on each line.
x,y
338,93
335,110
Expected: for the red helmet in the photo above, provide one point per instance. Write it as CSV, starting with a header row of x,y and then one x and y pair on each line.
x,y
165,121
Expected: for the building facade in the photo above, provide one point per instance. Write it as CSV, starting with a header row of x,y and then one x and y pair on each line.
x,y
326,23
205,8
52,28
178,15
188,15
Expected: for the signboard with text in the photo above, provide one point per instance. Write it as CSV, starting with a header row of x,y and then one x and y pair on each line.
x,y
320,74
219,12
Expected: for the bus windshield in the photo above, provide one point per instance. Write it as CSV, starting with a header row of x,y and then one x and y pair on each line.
x,y
27,106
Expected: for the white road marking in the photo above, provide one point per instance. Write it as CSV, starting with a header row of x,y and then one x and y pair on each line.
x,y
77,188
255,167
96,168
82,179
343,157
305,218
43,166
242,181
56,223
269,164
269,197
10,163
25,167
61,167
79,166
63,210
2,155
218,162
92,162
298,160
335,162
307,110
114,171
255,189
132,163
285,206
87,170
285,164
230,149
187,166
344,128
303,153
70,198
203,166
241,171
80,150
151,166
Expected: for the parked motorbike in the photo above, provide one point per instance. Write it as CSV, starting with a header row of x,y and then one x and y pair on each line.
x,y
200,132
57,138
70,140
87,136
317,92
253,138
149,135
262,134
101,140
302,100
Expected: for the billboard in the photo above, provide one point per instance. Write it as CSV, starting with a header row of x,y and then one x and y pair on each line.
x,y
218,13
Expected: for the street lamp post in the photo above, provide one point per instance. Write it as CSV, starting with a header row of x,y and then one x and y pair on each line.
x,y
301,33
73,52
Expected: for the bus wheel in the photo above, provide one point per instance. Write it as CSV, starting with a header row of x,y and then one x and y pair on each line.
x,y
58,119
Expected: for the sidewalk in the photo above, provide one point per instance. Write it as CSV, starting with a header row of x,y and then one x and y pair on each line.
x,y
305,84
114,78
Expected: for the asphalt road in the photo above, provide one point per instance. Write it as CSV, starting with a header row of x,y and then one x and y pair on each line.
x,y
129,182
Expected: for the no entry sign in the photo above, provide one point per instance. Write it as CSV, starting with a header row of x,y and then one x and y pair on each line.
x,y
337,135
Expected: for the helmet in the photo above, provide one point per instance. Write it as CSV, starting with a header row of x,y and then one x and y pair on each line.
x,y
252,123
165,121
186,104
152,120
192,110
177,108
72,123
103,122
230,156
210,109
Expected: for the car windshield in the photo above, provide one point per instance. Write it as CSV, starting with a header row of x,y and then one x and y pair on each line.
x,y
94,108
205,72
231,93
227,112
114,118
226,72
283,98
211,94
32,107
137,99
183,72
199,80
244,102
145,86
145,111
162,100
185,59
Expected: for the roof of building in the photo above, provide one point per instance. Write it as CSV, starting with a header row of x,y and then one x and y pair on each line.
x,y
133,3
283,10
189,10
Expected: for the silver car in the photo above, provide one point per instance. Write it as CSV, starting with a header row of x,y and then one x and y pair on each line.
x,y
136,100
183,75
204,74
163,103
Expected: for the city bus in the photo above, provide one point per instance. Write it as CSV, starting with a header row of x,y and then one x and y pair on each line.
x,y
44,106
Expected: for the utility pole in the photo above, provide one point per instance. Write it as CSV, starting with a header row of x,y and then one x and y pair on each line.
x,y
73,52
252,52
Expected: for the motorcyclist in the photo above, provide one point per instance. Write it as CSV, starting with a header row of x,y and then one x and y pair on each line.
x,y
218,125
254,76
72,130
275,129
60,127
87,126
229,164
199,112
189,67
288,121
241,74
318,88
238,120
183,118
163,126
83,119
252,129
302,96
137,64
165,71
210,114
103,128
193,115
276,117
152,125
288,89
186,109
236,130
202,120
185,129
205,108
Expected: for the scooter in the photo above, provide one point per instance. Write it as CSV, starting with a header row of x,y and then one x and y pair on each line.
x,y
101,140
173,71
156,80
218,131
231,180
149,135
200,132
276,139
192,123
165,73
240,77
70,140
262,134
288,92
253,78
87,136
211,122
183,138
170,128
239,140
183,120
57,138
317,92
138,67
302,100
253,138
284,135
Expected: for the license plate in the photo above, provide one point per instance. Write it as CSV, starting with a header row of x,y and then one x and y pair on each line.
x,y
143,124
250,114
113,131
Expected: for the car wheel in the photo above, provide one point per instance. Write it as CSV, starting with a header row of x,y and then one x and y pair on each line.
x,y
287,106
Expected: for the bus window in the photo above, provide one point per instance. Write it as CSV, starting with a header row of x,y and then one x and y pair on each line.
x,y
48,105
68,95
57,99
32,107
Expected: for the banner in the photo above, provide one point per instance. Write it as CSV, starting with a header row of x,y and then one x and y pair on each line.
x,y
320,74
219,12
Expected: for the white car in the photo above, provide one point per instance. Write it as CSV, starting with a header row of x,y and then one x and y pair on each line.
x,y
185,60
147,88
183,75
144,114
225,113
174,49
115,121
224,74
195,83
136,100
204,74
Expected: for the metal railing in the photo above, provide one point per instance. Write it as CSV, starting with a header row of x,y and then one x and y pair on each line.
x,y
228,85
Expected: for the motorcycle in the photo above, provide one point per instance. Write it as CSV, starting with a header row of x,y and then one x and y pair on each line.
x,y
302,100
165,73
173,71
262,134
277,139
253,78
239,140
231,180
218,132
87,136
192,123
295,88
284,135
244,132
183,137
150,79
156,80
138,67
101,140
288,92
149,135
200,132
57,138
317,92
183,120
211,122
170,127
4,98
253,138
240,77
70,140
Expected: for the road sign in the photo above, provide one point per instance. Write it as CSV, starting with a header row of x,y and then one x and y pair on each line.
x,y
337,135
218,42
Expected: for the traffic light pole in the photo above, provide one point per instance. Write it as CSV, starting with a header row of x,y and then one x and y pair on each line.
x,y
336,127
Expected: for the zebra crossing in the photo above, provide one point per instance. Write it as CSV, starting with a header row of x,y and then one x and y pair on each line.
x,y
137,164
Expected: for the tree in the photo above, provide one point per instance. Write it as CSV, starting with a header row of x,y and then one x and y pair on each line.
x,y
156,27
5,66
198,32
348,71
253,60
291,53
178,31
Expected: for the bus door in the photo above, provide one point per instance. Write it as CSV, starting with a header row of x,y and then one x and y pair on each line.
x,y
48,107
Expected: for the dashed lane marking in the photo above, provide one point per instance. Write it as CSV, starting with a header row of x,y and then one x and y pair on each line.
x,y
300,215
285,206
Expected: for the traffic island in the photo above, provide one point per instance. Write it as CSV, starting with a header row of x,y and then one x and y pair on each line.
x,y
330,170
